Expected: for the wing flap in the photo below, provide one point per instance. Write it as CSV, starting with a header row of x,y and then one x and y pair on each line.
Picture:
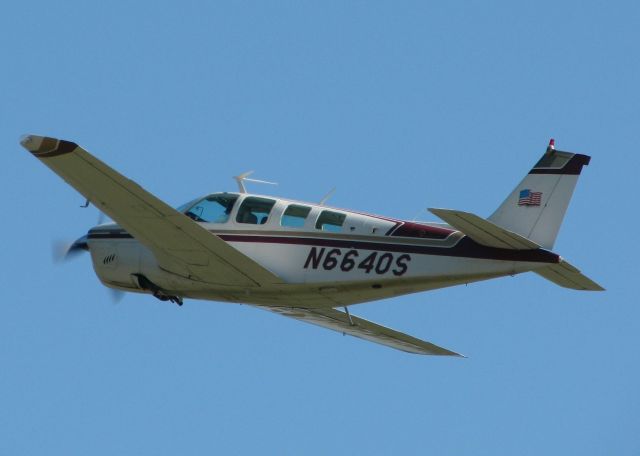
x,y
363,329
179,244
484,232
568,276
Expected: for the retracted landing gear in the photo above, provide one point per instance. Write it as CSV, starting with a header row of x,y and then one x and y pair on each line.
x,y
156,291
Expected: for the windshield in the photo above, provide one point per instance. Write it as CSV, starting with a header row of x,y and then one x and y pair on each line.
x,y
183,207
212,209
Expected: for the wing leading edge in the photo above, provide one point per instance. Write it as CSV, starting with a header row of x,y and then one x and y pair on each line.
x,y
180,245
363,329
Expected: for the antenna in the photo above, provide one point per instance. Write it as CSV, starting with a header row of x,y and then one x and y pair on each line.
x,y
244,177
326,197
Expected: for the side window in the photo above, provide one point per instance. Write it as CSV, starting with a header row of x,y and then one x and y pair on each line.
x,y
330,221
255,210
295,216
212,209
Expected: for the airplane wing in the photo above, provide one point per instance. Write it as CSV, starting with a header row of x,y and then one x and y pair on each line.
x,y
363,329
180,245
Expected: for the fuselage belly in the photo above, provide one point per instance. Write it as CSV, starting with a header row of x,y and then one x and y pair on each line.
x,y
390,270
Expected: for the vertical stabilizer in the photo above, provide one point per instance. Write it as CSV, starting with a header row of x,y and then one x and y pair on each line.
x,y
536,207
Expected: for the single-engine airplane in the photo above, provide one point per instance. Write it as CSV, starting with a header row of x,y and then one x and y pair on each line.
x,y
305,260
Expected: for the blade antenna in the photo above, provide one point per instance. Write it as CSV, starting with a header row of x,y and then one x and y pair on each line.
x,y
326,197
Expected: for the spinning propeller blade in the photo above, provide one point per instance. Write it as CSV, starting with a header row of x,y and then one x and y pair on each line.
x,y
116,295
63,251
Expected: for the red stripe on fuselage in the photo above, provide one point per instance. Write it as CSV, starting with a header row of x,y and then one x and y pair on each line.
x,y
465,248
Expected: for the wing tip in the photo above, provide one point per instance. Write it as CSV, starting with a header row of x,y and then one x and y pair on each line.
x,y
455,355
441,352
46,146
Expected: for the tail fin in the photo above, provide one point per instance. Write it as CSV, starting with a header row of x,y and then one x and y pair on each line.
x,y
536,207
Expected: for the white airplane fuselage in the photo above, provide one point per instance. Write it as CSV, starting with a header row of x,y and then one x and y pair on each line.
x,y
369,257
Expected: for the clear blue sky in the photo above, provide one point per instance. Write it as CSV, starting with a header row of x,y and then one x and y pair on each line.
x,y
401,106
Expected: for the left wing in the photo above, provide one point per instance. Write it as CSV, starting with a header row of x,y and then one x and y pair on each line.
x,y
180,245
363,329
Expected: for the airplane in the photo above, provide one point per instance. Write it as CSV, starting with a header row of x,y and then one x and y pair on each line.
x,y
307,260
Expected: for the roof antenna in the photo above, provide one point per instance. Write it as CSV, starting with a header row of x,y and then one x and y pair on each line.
x,y
244,177
326,197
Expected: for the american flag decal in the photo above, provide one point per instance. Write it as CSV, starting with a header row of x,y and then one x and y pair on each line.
x,y
529,198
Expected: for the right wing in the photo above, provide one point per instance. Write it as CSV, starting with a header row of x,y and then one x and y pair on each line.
x,y
363,329
179,244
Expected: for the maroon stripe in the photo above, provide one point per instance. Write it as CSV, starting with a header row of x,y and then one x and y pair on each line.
x,y
419,230
465,248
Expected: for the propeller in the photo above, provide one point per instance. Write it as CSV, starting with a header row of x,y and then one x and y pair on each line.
x,y
115,295
64,251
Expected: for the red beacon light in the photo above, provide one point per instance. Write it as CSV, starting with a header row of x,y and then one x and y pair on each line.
x,y
552,145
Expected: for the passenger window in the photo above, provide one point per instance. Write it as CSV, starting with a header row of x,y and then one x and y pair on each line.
x,y
295,216
330,221
213,209
255,210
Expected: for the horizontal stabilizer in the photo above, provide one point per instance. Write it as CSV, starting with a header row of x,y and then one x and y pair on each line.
x,y
363,329
484,232
568,276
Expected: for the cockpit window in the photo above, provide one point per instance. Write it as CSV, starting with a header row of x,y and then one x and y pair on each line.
x,y
295,216
183,207
255,210
330,221
213,208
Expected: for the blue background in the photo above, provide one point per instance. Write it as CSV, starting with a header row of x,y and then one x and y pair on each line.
x,y
401,106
